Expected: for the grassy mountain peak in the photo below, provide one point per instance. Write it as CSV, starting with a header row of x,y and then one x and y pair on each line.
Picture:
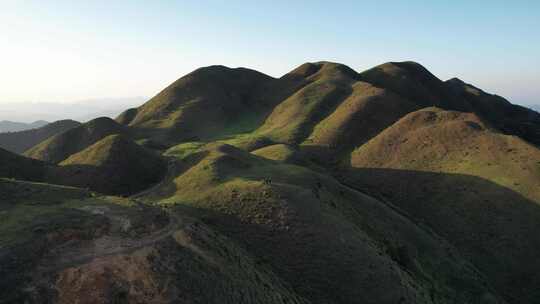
x,y
322,186
61,146
115,165
466,180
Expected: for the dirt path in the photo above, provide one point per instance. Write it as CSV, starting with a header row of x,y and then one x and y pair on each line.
x,y
70,254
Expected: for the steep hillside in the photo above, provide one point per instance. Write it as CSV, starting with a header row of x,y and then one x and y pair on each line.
x,y
21,141
67,245
416,83
476,187
279,152
508,118
336,109
322,186
330,113
445,141
61,146
16,166
327,107
127,116
207,103
310,230
367,111
113,165
293,119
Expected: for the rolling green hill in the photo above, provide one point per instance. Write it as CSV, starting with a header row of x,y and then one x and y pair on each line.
x,y
16,166
207,103
113,165
61,146
139,253
322,186
310,230
21,141
413,81
469,183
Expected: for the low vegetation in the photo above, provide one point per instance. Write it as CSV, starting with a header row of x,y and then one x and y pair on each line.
x,y
61,146
19,142
322,186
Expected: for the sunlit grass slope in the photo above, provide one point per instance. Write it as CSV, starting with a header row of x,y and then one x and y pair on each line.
x,y
310,230
61,146
477,187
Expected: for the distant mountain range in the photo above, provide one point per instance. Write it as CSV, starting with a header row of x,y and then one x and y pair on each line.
x,y
20,141
12,126
83,110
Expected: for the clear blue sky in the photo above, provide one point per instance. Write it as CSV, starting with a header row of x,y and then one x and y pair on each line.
x,y
68,50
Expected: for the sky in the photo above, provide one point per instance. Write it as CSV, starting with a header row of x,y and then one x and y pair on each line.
x,y
62,51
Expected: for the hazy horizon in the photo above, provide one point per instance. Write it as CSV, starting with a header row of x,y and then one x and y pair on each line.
x,y
182,172
62,52
80,110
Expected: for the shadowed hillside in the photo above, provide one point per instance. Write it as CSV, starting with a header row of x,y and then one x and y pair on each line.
x,y
207,103
476,187
492,226
139,253
61,146
509,118
413,81
113,165
445,141
365,113
310,230
16,166
322,186
293,118
336,109
327,108
21,141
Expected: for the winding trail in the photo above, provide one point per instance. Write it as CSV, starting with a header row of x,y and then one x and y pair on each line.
x,y
70,254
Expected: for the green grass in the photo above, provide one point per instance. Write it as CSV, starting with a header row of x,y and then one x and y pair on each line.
x,y
292,120
294,218
251,161
59,147
25,204
184,150
244,124
28,210
113,165
465,180
434,140
279,152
